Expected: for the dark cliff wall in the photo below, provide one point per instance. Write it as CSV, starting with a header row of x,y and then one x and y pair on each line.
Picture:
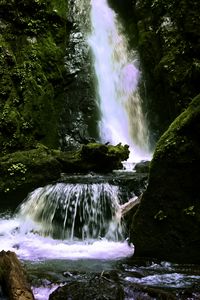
x,y
46,89
32,49
79,116
167,37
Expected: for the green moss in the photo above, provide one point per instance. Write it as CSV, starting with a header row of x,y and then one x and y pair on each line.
x,y
111,157
42,165
167,33
172,194
32,49
180,134
59,7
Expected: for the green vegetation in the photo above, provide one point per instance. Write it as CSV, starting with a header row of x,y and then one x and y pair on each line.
x,y
172,196
169,54
165,34
181,137
32,49
25,170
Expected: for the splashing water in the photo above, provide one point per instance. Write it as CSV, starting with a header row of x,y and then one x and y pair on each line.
x,y
67,221
122,118
73,211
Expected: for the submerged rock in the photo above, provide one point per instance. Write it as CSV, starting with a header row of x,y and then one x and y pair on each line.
x,y
167,222
142,167
113,285
97,287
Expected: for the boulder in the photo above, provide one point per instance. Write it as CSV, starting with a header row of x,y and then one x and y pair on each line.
x,y
111,285
167,223
13,277
97,287
142,167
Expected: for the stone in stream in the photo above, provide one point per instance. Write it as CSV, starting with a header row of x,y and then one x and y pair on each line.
x,y
102,286
108,285
13,278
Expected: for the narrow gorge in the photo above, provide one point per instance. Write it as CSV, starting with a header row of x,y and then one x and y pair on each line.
x,y
99,104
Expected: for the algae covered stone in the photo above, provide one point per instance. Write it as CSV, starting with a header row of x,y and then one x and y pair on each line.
x,y
22,171
167,222
104,157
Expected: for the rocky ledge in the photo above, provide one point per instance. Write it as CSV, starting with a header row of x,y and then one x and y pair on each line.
x,y
23,171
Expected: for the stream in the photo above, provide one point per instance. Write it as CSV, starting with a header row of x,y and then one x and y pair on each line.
x,y
54,255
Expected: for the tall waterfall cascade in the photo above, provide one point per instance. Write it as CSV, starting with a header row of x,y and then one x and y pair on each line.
x,y
122,119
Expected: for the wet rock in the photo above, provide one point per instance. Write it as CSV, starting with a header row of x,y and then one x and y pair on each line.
x,y
191,293
169,55
98,287
136,291
79,115
109,157
13,278
167,222
109,285
142,167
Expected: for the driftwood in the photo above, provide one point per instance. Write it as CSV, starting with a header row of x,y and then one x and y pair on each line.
x,y
13,278
126,207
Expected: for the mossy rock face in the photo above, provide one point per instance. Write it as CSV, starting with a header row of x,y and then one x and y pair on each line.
x,y
22,171
166,35
32,50
104,158
167,223
167,42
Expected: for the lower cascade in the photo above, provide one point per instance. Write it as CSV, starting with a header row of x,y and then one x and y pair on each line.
x,y
67,221
73,211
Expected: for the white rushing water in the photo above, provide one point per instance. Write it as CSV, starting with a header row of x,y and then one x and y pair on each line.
x,y
73,211
122,119
67,221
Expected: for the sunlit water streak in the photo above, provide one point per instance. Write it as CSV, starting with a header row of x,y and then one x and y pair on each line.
x,y
174,280
122,119
164,275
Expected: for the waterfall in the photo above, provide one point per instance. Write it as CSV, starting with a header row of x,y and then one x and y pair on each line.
x,y
122,119
73,211
67,221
